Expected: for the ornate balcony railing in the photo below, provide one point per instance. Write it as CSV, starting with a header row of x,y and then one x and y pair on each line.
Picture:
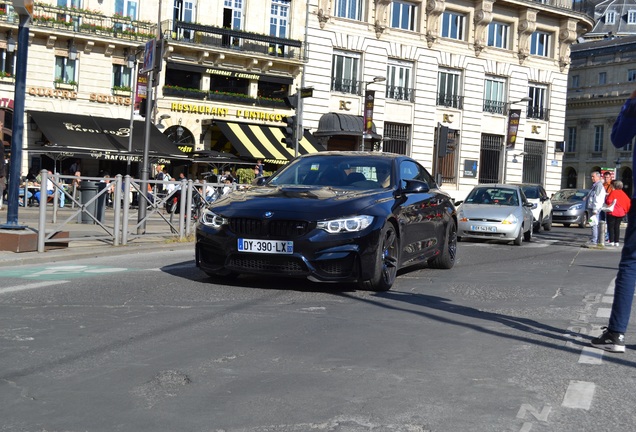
x,y
399,93
241,41
78,20
538,113
450,101
495,107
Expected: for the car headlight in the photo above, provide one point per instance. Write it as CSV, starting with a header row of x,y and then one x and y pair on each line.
x,y
576,207
213,220
352,224
510,220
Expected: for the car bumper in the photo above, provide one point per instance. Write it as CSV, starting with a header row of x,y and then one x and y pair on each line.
x,y
567,217
487,230
317,255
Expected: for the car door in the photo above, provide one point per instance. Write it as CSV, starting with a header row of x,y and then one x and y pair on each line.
x,y
422,213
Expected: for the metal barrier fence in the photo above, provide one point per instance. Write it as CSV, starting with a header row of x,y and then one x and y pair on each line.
x,y
172,208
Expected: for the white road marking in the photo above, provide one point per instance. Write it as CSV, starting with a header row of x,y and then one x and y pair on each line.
x,y
30,286
590,355
579,395
603,312
607,299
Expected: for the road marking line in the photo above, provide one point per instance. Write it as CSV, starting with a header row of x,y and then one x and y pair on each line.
x,y
603,312
610,288
579,395
607,299
590,355
30,286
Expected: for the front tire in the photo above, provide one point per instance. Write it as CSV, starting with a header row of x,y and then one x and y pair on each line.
x,y
527,236
519,238
446,259
584,221
386,261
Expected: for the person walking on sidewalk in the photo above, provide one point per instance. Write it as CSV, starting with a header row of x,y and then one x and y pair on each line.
x,y
622,204
595,201
613,337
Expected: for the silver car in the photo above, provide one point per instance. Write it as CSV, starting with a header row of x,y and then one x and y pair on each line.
x,y
497,212
569,207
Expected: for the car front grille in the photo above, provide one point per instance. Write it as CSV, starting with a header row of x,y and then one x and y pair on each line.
x,y
341,267
283,229
281,265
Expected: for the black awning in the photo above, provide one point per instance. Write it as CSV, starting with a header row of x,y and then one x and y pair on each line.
x,y
100,136
331,124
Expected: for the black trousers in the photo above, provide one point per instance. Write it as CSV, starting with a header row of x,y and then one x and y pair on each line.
x,y
614,228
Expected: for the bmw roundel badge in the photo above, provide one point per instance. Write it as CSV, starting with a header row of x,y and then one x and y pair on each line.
x,y
268,214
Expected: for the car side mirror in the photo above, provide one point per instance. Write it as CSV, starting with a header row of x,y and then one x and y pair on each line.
x,y
416,186
531,205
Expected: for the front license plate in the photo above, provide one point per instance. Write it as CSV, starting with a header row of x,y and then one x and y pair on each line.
x,y
483,228
266,246
558,213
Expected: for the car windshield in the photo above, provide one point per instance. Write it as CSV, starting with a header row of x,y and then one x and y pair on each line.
x,y
570,195
347,172
493,196
531,192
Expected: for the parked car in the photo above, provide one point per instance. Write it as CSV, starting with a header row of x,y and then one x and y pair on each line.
x,y
542,212
496,212
332,217
569,206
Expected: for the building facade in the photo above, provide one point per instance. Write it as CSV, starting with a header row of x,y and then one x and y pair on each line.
x,y
602,76
446,78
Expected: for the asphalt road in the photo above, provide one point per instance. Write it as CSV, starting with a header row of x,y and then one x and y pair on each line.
x,y
146,343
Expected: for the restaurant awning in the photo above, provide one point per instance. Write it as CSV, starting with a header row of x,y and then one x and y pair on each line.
x,y
100,137
265,142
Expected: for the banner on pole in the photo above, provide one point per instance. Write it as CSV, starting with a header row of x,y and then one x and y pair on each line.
x,y
513,127
369,98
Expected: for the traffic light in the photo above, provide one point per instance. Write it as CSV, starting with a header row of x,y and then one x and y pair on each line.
x,y
142,107
442,141
289,131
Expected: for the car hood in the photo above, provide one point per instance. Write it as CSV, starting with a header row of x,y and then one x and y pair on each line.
x,y
567,203
299,202
488,211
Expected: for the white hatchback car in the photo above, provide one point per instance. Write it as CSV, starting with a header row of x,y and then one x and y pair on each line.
x,y
542,212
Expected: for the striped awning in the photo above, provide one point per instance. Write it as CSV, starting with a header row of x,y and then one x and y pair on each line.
x,y
265,142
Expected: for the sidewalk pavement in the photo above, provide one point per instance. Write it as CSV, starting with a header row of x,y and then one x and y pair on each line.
x,y
29,216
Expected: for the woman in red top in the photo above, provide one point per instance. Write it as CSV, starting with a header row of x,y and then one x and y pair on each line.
x,y
621,208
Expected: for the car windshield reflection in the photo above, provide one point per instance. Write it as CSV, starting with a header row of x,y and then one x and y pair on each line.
x,y
350,173
493,196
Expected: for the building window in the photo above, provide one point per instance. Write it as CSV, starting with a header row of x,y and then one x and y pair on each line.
x,y
448,83
351,9
599,131
122,76
65,70
344,76
403,15
126,8
575,81
571,140
631,17
538,106
540,44
184,11
498,35
397,138
489,157
602,78
278,24
631,75
610,17
494,95
7,62
233,14
399,81
453,25
533,161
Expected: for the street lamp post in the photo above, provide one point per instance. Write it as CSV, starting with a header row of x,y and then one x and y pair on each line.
x,y
367,108
509,136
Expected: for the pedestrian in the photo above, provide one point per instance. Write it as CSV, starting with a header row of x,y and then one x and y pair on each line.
x,y
595,202
613,337
620,204
258,169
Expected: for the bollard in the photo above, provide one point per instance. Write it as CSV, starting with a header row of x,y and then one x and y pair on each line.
x,y
601,233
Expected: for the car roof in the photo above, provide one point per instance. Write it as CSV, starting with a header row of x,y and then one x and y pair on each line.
x,y
356,154
498,185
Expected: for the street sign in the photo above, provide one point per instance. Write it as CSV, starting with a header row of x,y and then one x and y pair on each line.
x,y
23,7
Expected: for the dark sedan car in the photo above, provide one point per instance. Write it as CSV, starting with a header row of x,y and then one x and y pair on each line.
x,y
569,206
332,217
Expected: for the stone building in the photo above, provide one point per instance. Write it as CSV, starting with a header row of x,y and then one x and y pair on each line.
x,y
602,76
